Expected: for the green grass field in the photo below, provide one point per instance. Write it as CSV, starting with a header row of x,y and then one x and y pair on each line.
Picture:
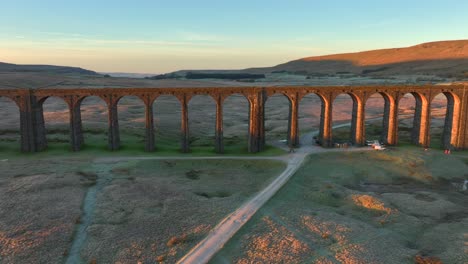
x,y
131,144
361,207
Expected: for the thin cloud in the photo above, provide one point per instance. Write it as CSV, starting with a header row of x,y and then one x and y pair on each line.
x,y
142,42
193,36
84,41
66,34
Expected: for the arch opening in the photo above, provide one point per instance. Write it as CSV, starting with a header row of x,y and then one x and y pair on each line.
x,y
56,122
10,137
342,118
131,115
202,122
374,114
277,109
310,112
167,112
235,123
443,131
94,118
406,116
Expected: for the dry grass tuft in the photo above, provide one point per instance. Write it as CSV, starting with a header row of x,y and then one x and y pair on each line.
x,y
370,202
11,244
278,245
176,240
161,258
345,251
326,229
323,260
426,260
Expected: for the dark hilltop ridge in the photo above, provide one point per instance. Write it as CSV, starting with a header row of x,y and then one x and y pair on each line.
x,y
447,59
15,68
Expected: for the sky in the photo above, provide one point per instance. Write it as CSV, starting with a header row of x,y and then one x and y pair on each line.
x,y
151,36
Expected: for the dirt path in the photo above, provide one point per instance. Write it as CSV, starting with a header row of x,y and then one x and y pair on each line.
x,y
228,227
219,235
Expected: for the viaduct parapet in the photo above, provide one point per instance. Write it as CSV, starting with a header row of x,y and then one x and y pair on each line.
x,y
455,135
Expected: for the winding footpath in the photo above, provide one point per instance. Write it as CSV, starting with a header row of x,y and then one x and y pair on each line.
x,y
221,234
228,227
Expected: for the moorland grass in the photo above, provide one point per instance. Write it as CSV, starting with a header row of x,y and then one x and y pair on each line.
x,y
406,194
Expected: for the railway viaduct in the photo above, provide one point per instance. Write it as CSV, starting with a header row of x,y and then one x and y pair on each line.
x,y
455,135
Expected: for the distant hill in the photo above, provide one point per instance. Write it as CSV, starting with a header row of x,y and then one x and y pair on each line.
x,y
444,58
8,67
440,50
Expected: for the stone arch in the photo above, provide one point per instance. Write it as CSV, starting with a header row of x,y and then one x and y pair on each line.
x,y
377,108
246,96
10,132
418,131
342,118
13,99
42,100
167,113
277,117
449,132
8,99
406,115
56,119
311,107
131,121
276,93
202,120
93,111
236,109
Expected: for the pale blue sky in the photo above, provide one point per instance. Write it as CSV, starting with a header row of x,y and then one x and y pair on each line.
x,y
162,36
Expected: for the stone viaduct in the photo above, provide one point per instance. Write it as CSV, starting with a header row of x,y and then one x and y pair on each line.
x,y
455,135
